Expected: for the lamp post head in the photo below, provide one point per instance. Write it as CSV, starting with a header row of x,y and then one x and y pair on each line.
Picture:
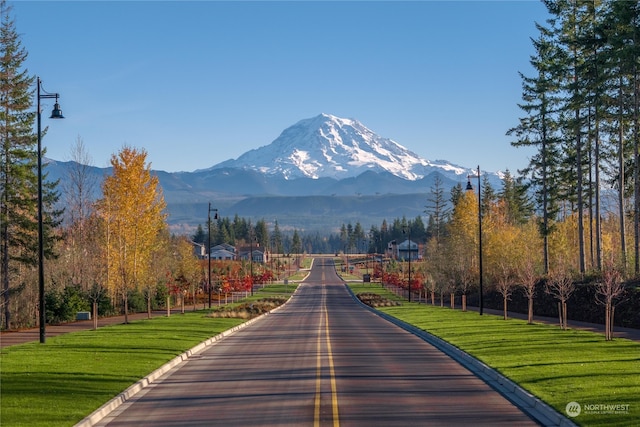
x,y
57,112
469,186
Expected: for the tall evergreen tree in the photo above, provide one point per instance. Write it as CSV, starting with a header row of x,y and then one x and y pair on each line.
x,y
539,128
296,243
375,240
620,27
277,238
515,199
456,194
436,209
488,195
200,236
262,233
18,169
573,17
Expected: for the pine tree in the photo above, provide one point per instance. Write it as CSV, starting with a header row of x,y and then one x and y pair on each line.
x,y
277,239
456,194
200,236
18,169
488,195
436,209
296,243
580,83
620,27
515,199
262,233
539,128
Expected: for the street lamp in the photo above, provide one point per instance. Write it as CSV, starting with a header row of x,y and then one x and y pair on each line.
x,y
408,231
55,114
251,239
470,188
215,216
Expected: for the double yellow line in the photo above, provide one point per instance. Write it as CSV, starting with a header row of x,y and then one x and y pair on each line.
x,y
324,333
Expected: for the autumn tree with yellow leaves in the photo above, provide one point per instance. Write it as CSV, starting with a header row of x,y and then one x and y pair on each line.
x,y
186,269
461,246
132,209
504,252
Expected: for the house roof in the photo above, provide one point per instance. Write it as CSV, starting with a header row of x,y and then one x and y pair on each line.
x,y
223,247
408,245
222,253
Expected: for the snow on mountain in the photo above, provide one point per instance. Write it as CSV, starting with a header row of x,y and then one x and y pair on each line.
x,y
327,146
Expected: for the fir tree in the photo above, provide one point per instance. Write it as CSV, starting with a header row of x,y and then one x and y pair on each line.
x,y
437,210
200,236
18,169
539,128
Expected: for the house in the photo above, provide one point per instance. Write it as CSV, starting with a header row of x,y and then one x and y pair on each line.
x,y
222,255
223,252
404,251
199,250
223,247
256,255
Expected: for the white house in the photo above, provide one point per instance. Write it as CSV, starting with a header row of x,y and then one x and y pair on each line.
x,y
223,247
222,255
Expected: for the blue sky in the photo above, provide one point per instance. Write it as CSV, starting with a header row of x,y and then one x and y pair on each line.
x,y
197,83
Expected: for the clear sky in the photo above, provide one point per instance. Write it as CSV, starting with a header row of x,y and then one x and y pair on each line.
x,y
197,83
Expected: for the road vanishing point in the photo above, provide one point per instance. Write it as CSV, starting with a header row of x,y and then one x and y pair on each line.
x,y
320,360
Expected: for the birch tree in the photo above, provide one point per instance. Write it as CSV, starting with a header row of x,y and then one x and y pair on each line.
x,y
132,206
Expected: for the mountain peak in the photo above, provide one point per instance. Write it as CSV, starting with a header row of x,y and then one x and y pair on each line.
x,y
330,146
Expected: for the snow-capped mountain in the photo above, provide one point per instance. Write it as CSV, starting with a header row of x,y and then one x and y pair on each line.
x,y
319,172
327,146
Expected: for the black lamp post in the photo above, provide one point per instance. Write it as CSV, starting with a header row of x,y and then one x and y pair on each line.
x,y
408,231
55,114
251,239
470,188
215,216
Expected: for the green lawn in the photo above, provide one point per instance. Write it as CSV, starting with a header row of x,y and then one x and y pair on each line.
x,y
557,366
72,375
66,379
61,382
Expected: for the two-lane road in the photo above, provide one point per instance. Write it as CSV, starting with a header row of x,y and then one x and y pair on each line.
x,y
320,360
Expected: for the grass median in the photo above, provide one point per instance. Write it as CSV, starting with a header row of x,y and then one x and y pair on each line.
x,y
557,366
61,382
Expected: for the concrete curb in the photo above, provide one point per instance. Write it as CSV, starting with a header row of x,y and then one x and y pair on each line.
x,y
531,405
97,415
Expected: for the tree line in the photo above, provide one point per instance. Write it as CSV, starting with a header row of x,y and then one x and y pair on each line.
x,y
580,113
569,216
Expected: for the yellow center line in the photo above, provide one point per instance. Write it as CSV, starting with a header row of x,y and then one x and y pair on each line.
x,y
316,412
332,373
324,317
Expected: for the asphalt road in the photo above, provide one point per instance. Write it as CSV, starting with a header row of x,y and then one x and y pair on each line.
x,y
321,360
